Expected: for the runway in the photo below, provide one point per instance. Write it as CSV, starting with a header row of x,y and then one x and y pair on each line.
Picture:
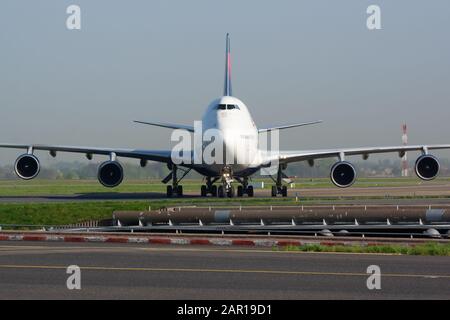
x,y
136,271
387,195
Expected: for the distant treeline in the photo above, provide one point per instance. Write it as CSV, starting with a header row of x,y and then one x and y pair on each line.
x,y
380,168
79,170
153,170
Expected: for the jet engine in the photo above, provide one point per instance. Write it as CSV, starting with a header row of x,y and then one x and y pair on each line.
x,y
27,166
343,174
110,174
427,167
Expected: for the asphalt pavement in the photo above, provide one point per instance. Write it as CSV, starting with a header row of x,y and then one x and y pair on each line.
x,y
136,271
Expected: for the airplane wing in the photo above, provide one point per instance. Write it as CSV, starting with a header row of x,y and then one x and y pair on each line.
x,y
167,125
153,155
295,156
287,126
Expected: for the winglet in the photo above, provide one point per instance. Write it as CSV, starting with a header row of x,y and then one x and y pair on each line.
x,y
227,85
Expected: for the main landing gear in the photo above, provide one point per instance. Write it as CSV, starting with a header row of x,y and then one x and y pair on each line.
x,y
226,189
175,188
209,188
244,188
279,188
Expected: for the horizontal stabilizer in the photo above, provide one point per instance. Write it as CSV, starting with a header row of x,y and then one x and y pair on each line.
x,y
287,126
167,125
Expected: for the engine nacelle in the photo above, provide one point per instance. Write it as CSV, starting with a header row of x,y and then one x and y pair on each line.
x,y
110,174
343,174
27,166
427,167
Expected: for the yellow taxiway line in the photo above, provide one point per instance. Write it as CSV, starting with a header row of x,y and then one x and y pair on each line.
x,y
249,271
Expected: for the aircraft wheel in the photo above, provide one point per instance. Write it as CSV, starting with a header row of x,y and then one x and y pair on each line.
x,y
230,192
284,191
214,191
180,191
274,191
203,191
220,192
240,191
169,191
250,191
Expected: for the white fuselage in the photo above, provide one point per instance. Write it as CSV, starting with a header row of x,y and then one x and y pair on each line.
x,y
229,118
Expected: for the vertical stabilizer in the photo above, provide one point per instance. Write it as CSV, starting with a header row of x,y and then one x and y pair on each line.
x,y
227,86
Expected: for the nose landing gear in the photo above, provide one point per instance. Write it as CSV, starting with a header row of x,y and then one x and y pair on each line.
x,y
226,189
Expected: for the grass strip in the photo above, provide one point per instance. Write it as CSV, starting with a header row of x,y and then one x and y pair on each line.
x,y
426,249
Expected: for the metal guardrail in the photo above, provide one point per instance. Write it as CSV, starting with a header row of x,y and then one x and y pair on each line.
x,y
408,231
359,220
376,230
354,220
45,227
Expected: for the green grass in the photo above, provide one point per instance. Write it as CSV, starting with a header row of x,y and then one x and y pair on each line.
x,y
55,213
62,213
72,212
38,187
427,249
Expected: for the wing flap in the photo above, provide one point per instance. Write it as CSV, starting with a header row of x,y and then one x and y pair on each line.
x,y
295,156
152,155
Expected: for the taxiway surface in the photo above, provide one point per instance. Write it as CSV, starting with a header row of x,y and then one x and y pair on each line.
x,y
415,194
109,271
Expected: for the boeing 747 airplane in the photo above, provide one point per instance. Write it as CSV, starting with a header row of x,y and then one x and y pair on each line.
x,y
231,118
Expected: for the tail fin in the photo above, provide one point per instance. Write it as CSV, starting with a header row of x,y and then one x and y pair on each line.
x,y
227,86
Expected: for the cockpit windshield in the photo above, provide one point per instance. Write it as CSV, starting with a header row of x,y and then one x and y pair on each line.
x,y
227,107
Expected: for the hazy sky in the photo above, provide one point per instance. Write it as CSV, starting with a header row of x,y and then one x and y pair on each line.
x,y
164,60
